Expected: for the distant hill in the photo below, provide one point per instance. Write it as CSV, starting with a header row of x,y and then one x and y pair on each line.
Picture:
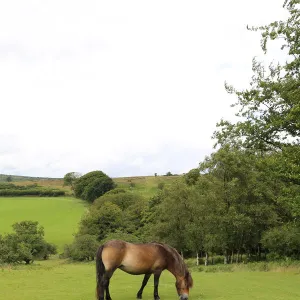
x,y
144,185
3,178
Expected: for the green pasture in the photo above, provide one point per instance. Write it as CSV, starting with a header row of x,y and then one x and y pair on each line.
x,y
50,280
147,186
58,215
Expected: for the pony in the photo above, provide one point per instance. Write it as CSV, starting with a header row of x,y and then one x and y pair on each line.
x,y
137,259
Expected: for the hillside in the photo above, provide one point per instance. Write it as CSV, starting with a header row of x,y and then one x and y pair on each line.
x,y
3,178
144,185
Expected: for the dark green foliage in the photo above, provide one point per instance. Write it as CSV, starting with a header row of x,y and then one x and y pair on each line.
x,y
93,185
26,244
120,235
9,178
101,221
70,179
283,241
192,176
232,205
83,248
9,189
113,215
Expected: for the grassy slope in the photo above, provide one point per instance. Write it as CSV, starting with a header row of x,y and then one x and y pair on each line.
x,y
59,215
145,185
54,280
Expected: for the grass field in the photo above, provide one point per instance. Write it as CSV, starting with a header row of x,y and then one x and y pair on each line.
x,y
58,280
58,215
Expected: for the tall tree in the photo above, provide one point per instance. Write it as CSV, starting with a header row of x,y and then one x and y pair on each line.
x,y
270,108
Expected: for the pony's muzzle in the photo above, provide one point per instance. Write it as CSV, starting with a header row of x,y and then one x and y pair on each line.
x,y
184,297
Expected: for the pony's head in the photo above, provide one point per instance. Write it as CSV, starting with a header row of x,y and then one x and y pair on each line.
x,y
183,285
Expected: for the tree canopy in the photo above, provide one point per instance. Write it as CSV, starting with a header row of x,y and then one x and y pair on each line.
x,y
93,185
269,110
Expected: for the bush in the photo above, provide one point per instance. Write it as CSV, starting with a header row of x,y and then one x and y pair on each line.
x,y
283,241
192,176
83,248
102,221
93,185
26,244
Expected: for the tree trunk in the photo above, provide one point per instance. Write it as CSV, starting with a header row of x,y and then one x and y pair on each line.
x,y
206,259
225,258
232,257
197,259
237,257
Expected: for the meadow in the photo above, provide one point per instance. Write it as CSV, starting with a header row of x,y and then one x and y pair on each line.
x,y
56,279
58,215
61,279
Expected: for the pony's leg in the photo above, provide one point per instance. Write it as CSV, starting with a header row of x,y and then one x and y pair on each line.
x,y
156,282
145,280
106,280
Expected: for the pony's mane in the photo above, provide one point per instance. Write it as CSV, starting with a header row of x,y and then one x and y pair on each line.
x,y
177,257
179,261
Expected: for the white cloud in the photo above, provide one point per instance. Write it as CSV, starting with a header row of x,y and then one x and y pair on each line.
x,y
109,85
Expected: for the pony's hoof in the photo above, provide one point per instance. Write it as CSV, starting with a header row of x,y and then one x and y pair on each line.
x,y
138,296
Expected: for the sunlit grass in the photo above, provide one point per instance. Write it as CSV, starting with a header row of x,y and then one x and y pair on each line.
x,y
59,280
58,215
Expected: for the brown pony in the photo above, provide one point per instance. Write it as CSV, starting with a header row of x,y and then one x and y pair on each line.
x,y
137,259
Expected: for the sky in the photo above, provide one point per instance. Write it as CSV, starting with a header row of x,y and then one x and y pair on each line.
x,y
126,87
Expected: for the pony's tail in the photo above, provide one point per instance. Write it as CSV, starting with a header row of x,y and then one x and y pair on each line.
x,y
100,270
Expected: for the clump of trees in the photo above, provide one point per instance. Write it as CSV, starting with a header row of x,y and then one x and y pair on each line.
x,y
237,206
26,244
116,214
89,186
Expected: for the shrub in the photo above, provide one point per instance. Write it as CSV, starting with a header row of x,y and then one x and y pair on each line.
x,y
93,185
26,244
83,248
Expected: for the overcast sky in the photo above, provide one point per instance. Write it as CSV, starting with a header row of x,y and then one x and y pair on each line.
x,y
126,87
